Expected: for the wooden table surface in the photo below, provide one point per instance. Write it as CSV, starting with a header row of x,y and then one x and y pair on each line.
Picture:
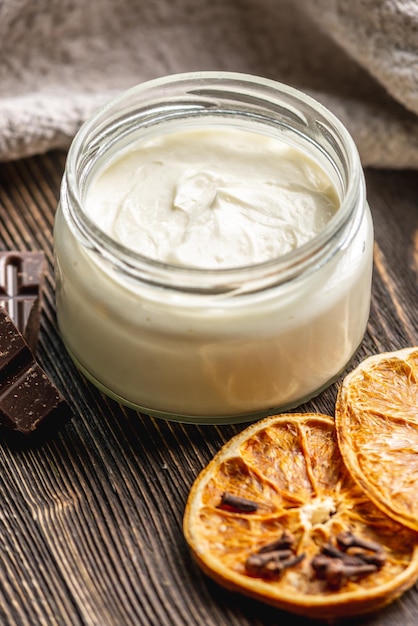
x,y
91,520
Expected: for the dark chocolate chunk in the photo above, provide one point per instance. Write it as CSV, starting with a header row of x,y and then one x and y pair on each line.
x,y
21,284
28,398
14,351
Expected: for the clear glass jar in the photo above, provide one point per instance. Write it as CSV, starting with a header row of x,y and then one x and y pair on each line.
x,y
225,345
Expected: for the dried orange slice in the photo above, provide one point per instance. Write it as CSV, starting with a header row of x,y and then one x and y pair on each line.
x,y
377,427
281,487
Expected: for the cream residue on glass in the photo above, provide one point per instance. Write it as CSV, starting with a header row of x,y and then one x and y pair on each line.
x,y
212,198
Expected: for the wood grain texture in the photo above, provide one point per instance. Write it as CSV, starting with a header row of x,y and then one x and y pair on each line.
x,y
91,520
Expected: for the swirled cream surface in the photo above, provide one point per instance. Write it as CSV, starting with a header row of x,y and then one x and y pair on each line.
x,y
212,198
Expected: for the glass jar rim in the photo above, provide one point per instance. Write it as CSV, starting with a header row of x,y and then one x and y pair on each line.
x,y
89,140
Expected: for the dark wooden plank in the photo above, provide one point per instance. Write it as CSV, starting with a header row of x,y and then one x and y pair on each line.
x,y
90,523
394,201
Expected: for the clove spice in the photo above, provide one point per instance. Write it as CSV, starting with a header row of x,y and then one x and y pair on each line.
x,y
285,541
336,566
329,550
273,558
272,564
337,573
347,540
237,503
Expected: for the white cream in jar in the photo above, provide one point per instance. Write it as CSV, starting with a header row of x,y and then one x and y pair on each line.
x,y
212,198
208,268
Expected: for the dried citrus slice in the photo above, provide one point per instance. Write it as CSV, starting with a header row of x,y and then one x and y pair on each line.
x,y
271,514
377,427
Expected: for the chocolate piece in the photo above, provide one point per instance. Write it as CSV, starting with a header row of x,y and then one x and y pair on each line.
x,y
21,282
28,398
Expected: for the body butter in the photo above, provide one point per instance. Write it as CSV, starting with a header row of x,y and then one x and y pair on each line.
x,y
213,248
211,198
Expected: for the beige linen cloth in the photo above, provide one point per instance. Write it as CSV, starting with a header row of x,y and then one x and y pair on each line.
x,y
61,59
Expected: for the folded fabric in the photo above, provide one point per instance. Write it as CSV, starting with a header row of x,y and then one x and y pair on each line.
x,y
61,59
